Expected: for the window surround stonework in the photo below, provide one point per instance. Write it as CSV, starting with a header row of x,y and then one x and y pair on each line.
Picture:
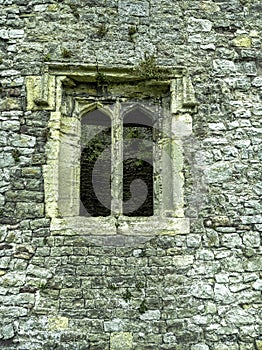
x,y
46,92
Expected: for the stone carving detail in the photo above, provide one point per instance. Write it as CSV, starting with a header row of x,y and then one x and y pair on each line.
x,y
41,90
183,97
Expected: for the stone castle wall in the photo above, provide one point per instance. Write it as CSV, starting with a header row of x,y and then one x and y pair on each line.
x,y
199,291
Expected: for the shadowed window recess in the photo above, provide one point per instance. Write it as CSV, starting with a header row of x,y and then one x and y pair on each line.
x,y
95,169
137,164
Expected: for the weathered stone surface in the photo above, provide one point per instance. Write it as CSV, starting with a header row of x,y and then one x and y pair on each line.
x,y
257,285
6,160
13,312
259,344
169,338
251,239
38,272
257,81
23,196
57,323
13,125
13,279
223,294
231,240
253,264
4,262
227,346
116,325
138,8
7,332
240,316
121,341
224,67
26,210
199,289
202,290
19,300
218,172
199,347
211,238
151,315
33,172
193,240
242,41
199,25
205,254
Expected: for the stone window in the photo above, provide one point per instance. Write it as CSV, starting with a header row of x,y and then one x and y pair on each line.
x,y
115,152
130,190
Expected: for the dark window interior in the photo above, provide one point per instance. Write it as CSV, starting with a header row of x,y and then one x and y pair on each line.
x,y
95,170
138,164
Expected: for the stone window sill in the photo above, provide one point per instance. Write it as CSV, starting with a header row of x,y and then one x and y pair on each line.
x,y
123,225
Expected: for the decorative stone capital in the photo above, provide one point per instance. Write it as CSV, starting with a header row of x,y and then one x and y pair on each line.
x,y
183,96
41,92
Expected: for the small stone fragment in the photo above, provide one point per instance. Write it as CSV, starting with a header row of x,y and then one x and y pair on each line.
x,y
121,341
242,41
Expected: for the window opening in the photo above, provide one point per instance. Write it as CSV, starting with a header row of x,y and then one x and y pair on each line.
x,y
69,92
95,165
138,164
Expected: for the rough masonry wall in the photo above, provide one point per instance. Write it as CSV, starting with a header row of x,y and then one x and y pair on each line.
x,y
201,291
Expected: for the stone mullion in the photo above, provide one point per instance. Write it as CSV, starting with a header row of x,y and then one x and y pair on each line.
x,y
117,162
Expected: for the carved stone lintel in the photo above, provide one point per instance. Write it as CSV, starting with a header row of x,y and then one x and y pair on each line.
x,y
41,90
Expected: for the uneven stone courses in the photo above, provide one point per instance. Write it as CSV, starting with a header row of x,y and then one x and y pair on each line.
x,y
198,291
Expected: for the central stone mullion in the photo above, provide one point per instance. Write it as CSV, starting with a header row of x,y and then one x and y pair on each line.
x,y
117,162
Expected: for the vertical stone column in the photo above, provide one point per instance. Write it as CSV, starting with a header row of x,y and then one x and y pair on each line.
x,y
50,170
177,177
50,90
117,161
182,102
158,195
167,175
68,167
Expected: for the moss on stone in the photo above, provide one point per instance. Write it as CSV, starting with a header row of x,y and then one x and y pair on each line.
x,y
148,69
66,53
